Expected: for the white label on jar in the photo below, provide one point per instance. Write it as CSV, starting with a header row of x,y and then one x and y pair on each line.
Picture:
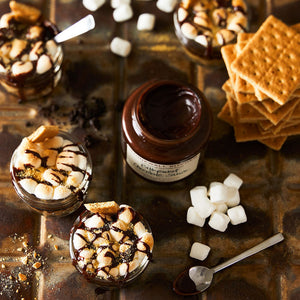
x,y
160,172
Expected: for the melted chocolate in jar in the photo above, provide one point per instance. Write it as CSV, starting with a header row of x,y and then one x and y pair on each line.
x,y
170,112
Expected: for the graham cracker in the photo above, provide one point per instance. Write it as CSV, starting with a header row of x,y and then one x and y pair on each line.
x,y
109,207
270,61
229,54
43,132
225,114
274,143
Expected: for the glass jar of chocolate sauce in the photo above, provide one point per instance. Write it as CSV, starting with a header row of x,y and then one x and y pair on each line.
x,y
61,206
166,126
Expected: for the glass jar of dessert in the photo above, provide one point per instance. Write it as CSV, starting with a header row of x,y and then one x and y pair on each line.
x,y
204,26
30,59
110,245
166,126
51,171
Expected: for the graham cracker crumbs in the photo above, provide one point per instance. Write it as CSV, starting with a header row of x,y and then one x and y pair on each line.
x,y
37,265
22,277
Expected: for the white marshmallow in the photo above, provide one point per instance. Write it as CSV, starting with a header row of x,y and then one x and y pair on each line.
x,y
204,208
234,200
116,3
2,69
219,221
17,47
104,259
166,5
86,254
68,145
145,22
4,49
43,191
20,67
233,181
221,207
28,185
51,157
193,217
125,213
44,64
197,193
74,179
123,13
114,272
139,229
61,192
92,5
4,20
237,215
188,30
35,51
55,142
29,159
53,177
182,14
82,162
78,241
115,233
94,222
34,32
120,47
199,251
66,160
237,23
219,192
100,241
202,39
52,49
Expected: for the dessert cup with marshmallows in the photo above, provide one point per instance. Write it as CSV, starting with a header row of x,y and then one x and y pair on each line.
x,y
110,248
52,176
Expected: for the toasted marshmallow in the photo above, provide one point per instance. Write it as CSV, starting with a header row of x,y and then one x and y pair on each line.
x,y
51,156
36,50
100,242
86,254
182,14
21,68
117,230
5,49
53,177
43,191
44,64
28,185
79,239
224,36
188,30
104,257
139,229
55,142
30,159
5,20
34,32
145,241
17,47
94,222
82,162
66,160
126,214
114,272
237,23
61,192
52,49
68,145
74,179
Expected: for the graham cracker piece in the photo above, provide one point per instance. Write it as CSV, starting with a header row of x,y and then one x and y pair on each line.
x,y
246,113
43,132
229,54
270,61
225,114
24,13
274,143
109,207
279,114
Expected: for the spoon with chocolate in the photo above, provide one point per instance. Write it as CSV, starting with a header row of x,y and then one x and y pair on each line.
x,y
197,279
82,26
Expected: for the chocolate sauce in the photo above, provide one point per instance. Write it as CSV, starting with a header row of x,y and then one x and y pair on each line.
x,y
184,285
170,112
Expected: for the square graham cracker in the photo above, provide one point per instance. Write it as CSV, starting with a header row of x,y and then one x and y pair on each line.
x,y
270,61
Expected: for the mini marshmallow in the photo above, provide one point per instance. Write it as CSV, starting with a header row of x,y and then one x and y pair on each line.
x,y
92,5
52,49
114,272
123,13
17,47
202,39
139,229
34,32
61,192
68,145
116,3
197,193
100,241
126,213
53,177
182,14
120,47
233,181
94,222
219,221
188,30
221,207
237,215
82,162
86,254
145,22
43,191
116,230
166,5
219,192
66,160
51,156
104,258
205,208
224,36
237,23
199,251
74,179
44,64
30,159
20,67
55,142
234,200
194,218
78,240
35,51
28,185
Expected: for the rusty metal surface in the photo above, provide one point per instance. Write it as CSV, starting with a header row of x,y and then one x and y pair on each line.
x,y
270,193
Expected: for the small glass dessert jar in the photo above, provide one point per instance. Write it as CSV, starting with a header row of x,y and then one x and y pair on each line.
x,y
203,27
110,245
166,126
30,59
51,171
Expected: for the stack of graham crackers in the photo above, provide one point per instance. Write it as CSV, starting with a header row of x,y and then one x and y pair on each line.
x,y
263,90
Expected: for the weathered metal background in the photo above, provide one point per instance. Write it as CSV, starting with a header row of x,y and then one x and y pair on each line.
x,y
270,193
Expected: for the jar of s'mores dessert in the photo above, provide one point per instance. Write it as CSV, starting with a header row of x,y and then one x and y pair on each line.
x,y
51,171
30,59
166,126
204,26
110,245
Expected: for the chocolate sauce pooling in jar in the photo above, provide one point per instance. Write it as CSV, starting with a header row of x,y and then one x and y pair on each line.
x,y
166,126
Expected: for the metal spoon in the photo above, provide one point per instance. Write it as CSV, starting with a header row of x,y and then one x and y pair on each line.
x,y
85,24
197,279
